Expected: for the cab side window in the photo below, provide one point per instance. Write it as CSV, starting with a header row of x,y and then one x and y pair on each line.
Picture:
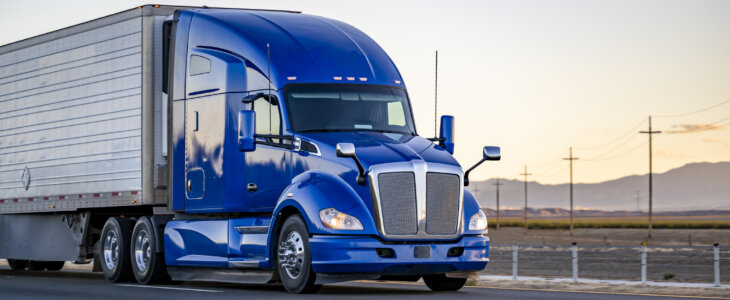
x,y
268,121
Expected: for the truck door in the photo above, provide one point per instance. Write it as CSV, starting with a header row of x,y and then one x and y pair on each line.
x,y
267,168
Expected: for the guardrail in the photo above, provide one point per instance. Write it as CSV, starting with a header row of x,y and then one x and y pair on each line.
x,y
656,263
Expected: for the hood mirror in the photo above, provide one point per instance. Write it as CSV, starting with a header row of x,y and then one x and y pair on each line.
x,y
489,153
348,150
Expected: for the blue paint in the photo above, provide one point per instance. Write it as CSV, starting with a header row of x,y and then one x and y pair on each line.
x,y
235,182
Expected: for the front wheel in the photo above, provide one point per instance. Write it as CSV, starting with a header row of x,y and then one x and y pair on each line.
x,y
294,258
438,283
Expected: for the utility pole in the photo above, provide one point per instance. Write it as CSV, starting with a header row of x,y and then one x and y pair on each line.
x,y
650,133
526,174
497,184
637,202
571,159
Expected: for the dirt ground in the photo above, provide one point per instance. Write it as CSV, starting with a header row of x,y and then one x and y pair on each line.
x,y
611,236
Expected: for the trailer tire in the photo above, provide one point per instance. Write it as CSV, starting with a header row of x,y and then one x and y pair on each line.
x,y
148,266
115,257
441,283
36,265
54,265
17,264
293,245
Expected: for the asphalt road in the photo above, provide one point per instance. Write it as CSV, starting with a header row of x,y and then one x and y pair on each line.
x,y
74,284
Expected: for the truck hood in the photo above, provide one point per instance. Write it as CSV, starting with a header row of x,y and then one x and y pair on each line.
x,y
377,147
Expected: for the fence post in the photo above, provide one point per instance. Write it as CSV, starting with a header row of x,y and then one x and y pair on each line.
x,y
514,261
717,264
575,262
643,263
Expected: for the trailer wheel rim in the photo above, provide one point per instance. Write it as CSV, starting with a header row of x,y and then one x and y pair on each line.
x,y
142,250
111,250
291,255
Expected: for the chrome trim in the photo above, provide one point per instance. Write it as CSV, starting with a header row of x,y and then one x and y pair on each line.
x,y
252,229
420,168
298,146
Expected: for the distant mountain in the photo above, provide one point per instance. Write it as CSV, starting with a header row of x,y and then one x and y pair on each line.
x,y
695,186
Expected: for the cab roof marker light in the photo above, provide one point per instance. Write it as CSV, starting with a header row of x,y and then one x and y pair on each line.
x,y
291,78
337,78
397,82
363,79
351,78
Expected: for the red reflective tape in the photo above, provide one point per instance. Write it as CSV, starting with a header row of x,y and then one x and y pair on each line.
x,y
134,192
61,197
30,199
81,196
45,198
115,194
96,195
15,200
1,201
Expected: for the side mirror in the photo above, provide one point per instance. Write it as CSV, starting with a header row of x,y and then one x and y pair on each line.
x,y
345,150
446,134
246,130
492,153
489,153
348,150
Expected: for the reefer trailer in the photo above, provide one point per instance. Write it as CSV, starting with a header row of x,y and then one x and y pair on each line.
x,y
234,145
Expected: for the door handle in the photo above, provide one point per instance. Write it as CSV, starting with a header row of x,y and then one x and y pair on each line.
x,y
190,185
252,187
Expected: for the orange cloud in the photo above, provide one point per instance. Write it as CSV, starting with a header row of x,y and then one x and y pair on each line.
x,y
684,127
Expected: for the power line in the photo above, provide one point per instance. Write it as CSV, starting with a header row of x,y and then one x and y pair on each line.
x,y
619,155
694,112
632,130
599,157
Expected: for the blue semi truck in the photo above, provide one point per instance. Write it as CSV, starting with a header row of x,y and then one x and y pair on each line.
x,y
203,144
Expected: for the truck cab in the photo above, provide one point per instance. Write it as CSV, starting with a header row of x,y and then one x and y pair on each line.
x,y
294,151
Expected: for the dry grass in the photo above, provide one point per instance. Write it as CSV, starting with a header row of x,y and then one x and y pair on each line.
x,y
614,223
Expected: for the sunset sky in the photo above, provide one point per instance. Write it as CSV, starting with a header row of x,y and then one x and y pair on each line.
x,y
534,77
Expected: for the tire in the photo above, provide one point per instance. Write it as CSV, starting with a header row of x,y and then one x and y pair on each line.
x,y
54,265
441,283
294,259
114,254
148,266
36,265
17,264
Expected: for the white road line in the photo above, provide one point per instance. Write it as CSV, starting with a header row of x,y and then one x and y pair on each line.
x,y
170,288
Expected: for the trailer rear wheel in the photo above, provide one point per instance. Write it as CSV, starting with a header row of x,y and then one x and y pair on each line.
x,y
148,266
440,282
54,265
294,258
115,257
17,264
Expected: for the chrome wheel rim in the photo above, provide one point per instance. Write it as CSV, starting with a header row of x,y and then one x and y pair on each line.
x,y
291,254
142,250
111,250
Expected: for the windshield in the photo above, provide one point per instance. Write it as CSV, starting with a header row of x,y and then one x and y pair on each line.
x,y
314,108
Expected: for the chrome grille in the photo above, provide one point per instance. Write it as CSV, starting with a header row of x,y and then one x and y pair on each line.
x,y
398,203
442,203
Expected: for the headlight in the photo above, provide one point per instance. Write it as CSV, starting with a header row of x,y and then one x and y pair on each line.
x,y
331,218
478,221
